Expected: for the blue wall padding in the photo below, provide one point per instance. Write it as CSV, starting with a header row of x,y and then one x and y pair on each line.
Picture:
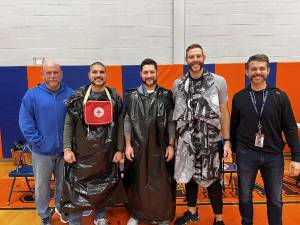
x,y
271,78
76,76
13,88
130,77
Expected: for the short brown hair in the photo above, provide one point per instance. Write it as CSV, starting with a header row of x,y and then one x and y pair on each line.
x,y
148,61
259,58
192,46
97,63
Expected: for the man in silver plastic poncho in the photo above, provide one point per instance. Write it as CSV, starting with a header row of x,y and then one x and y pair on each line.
x,y
200,113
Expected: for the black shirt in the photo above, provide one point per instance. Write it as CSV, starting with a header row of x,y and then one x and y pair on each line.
x,y
277,117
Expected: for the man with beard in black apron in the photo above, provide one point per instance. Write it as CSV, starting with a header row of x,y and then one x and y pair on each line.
x,y
149,145
93,141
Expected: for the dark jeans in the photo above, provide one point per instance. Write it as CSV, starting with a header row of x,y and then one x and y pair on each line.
x,y
271,167
214,194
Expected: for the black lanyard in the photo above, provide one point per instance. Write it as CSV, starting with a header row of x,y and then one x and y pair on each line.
x,y
253,99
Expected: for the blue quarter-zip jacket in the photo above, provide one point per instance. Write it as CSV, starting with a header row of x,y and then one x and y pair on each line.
x,y
41,118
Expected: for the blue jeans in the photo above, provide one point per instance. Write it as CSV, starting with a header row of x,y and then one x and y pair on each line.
x,y
43,168
271,167
75,218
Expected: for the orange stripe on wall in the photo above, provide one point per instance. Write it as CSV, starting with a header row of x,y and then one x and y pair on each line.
x,y
167,74
114,78
288,79
1,153
34,76
234,75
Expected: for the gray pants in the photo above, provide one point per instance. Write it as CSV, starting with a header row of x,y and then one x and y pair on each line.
x,y
43,168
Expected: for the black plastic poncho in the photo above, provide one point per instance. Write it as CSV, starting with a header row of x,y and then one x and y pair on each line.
x,y
92,181
151,188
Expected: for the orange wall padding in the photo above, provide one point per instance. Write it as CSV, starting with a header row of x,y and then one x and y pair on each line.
x,y
288,80
234,75
167,74
114,78
34,76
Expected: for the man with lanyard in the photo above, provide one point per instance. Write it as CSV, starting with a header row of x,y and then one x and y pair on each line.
x,y
149,140
260,113
41,121
92,146
200,113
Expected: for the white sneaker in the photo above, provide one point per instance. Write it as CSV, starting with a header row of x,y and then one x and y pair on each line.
x,y
62,216
132,221
101,221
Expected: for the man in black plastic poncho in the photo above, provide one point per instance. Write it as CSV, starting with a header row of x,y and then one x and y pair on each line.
x,y
93,140
149,145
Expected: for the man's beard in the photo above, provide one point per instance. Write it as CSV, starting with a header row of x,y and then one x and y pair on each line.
x,y
191,66
48,81
252,78
153,83
94,81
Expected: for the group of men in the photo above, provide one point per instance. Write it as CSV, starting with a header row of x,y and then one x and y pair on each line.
x,y
166,136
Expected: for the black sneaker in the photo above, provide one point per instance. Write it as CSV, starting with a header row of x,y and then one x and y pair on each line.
x,y
46,221
218,222
187,218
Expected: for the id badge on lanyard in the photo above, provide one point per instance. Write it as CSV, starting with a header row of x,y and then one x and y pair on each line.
x,y
259,136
